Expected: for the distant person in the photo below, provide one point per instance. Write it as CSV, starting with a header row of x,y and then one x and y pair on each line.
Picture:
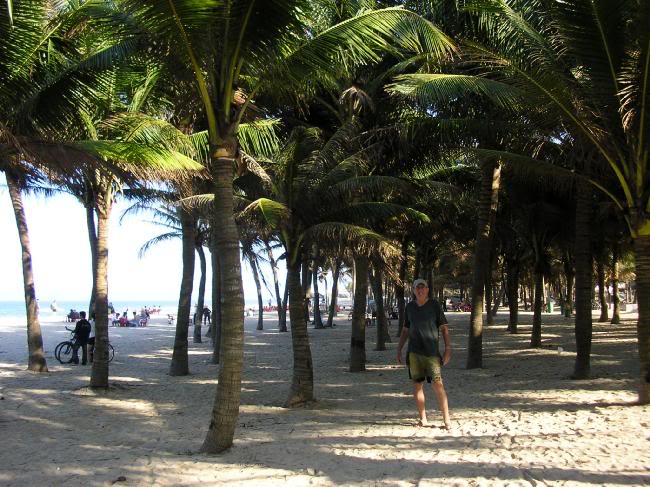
x,y
424,320
81,334
207,316
111,308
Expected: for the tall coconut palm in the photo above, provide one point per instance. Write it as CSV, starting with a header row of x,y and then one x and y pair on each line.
x,y
253,47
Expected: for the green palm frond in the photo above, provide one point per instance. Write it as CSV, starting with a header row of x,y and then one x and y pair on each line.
x,y
375,212
165,237
363,39
440,88
142,161
372,186
260,137
276,214
361,239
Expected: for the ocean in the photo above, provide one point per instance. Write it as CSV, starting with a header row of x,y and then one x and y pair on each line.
x,y
16,309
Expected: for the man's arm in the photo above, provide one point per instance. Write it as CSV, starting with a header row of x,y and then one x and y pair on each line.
x,y
446,357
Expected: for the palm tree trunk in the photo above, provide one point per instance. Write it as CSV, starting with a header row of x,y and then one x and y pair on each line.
x,y
99,374
536,335
584,285
376,281
318,320
200,302
400,288
570,276
36,361
228,394
92,238
604,309
258,287
285,300
216,308
642,258
305,281
490,181
616,302
282,318
302,384
180,364
488,299
358,339
335,290
513,298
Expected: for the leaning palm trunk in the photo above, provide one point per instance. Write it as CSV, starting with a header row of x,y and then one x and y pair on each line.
x,y
200,302
36,361
180,364
99,374
616,302
302,383
335,290
358,339
490,181
584,285
258,287
604,315
642,257
536,335
282,315
378,293
226,404
92,238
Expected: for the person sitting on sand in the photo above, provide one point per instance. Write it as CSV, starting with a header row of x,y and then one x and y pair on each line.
x,y
424,321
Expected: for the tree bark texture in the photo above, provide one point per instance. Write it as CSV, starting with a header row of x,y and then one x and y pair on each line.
x,y
100,371
36,361
200,302
92,238
513,298
536,335
616,302
400,289
376,281
258,288
642,257
216,308
180,364
604,310
318,320
282,314
335,290
488,201
583,282
358,338
228,394
302,383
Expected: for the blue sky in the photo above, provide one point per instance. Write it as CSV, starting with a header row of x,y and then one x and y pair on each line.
x,y
61,255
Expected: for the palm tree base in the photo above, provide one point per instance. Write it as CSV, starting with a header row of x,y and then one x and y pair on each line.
x,y
298,400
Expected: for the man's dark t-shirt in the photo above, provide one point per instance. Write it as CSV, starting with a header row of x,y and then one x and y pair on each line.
x,y
423,323
82,330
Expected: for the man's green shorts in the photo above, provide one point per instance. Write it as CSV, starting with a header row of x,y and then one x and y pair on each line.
x,y
422,367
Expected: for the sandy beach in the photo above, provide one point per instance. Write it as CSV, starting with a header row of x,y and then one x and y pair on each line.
x,y
518,421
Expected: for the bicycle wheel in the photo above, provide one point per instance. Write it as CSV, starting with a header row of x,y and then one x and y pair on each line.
x,y
63,352
111,352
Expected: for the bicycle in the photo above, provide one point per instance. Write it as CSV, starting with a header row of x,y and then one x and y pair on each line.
x,y
63,352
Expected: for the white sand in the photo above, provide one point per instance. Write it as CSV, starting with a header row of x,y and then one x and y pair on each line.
x,y
519,421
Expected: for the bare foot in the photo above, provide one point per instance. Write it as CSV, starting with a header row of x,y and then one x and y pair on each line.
x,y
422,422
448,426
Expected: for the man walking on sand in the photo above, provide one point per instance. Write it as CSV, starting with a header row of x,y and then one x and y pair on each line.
x,y
423,323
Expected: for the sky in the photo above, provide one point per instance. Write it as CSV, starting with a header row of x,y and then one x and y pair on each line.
x,y
61,255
